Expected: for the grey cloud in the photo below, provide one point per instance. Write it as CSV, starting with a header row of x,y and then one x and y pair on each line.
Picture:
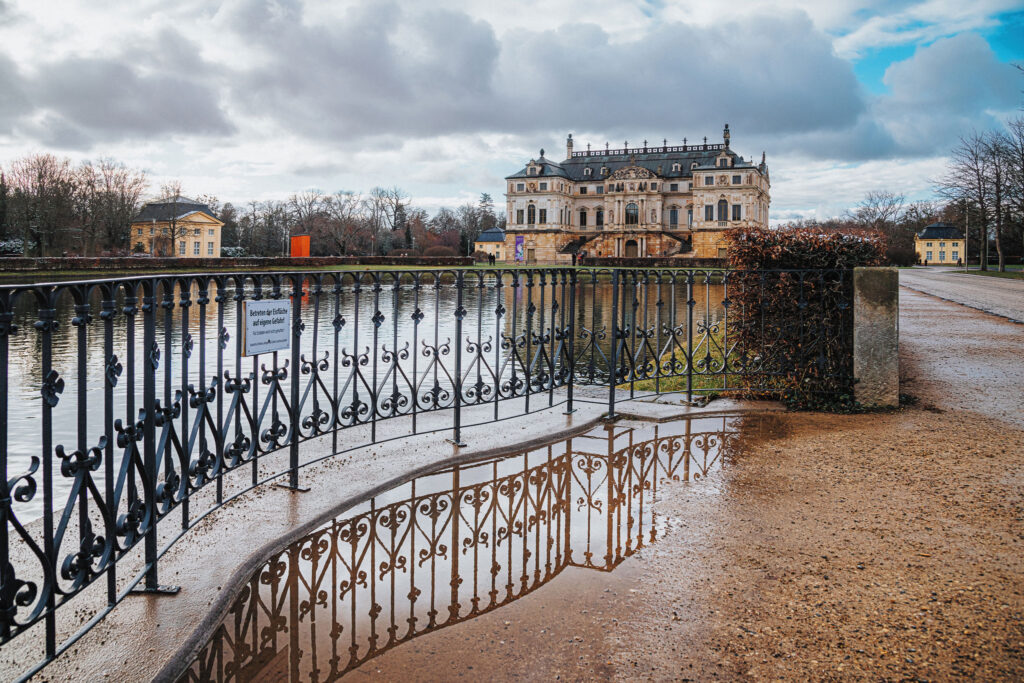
x,y
945,90
387,71
360,77
13,101
758,74
109,99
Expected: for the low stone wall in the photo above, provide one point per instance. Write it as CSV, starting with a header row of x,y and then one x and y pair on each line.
x,y
659,262
148,264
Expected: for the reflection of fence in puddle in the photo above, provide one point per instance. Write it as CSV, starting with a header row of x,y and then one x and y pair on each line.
x,y
451,546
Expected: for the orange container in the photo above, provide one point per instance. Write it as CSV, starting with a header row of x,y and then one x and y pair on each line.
x,y
300,246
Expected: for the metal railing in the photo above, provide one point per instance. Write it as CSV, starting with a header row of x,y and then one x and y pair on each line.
x,y
128,410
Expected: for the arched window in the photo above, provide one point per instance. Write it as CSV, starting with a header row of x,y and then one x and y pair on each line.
x,y
723,210
632,214
599,218
586,171
531,214
675,168
583,218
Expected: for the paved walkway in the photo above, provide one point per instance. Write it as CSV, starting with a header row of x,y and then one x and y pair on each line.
x,y
1002,296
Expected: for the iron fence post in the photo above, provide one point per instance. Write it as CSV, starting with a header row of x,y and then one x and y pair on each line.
x,y
149,367
690,302
293,401
570,331
613,360
460,313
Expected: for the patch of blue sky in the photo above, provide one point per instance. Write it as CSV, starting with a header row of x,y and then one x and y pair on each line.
x,y
871,65
1007,37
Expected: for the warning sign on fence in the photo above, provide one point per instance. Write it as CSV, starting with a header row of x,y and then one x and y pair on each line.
x,y
267,326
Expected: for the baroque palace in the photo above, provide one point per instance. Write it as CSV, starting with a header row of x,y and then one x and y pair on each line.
x,y
633,202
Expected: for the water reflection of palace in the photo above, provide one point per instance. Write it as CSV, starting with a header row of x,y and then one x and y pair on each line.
x,y
453,545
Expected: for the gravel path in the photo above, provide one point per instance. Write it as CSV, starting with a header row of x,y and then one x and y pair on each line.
x,y
883,547
1002,296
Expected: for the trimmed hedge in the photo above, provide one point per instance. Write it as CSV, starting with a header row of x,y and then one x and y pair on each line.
x,y
798,325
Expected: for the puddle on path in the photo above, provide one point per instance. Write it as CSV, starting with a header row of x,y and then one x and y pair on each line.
x,y
460,543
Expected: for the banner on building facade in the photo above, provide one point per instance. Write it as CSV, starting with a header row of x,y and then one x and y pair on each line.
x,y
520,250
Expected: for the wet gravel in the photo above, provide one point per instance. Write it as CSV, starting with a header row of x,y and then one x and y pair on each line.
x,y
884,546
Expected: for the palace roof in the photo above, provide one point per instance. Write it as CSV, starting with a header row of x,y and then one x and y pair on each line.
x,y
658,160
493,234
170,209
941,231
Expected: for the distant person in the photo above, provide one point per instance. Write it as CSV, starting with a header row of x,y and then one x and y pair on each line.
x,y
574,256
959,263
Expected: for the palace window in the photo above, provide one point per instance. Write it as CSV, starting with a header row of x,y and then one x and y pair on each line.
x,y
583,218
709,212
599,218
723,210
195,248
198,232
722,163
709,180
543,186
736,212
689,218
632,214
583,190
942,255
543,216
928,256
520,187
533,171
181,248
673,218
654,186
140,231
587,172
152,230
519,216
531,214
942,244
211,232
956,255
736,180
600,189
676,168
209,248
690,186
673,187
928,244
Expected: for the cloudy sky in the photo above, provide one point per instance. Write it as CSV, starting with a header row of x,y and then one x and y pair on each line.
x,y
256,99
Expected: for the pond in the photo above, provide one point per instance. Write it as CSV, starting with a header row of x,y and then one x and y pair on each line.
x,y
458,543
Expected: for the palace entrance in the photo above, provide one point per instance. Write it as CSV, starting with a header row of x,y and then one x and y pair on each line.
x,y
632,251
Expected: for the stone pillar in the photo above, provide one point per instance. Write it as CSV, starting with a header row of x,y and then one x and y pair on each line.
x,y
876,336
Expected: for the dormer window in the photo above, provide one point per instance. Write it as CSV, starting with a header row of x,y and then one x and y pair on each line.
x,y
693,165
676,168
723,162
587,172
604,170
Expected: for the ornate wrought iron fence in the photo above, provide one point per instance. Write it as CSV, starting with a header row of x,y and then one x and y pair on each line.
x,y
128,410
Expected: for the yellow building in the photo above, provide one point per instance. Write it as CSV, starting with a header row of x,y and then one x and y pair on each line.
x,y
940,244
635,202
491,241
177,226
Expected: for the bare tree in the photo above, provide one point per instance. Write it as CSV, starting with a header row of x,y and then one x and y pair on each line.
x,y
967,181
42,205
172,195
